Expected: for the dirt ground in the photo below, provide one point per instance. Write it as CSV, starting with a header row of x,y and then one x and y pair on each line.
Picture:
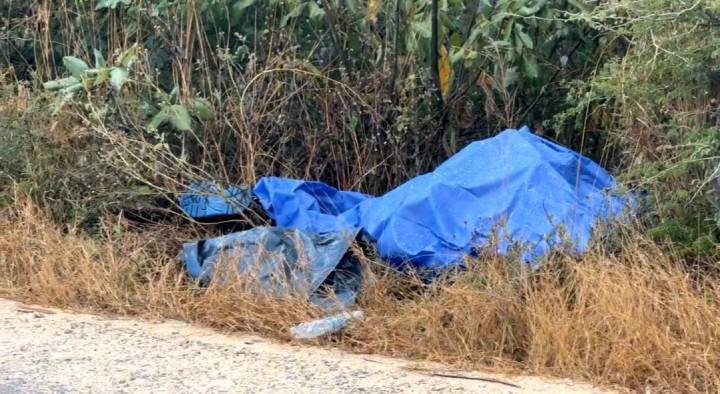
x,y
47,350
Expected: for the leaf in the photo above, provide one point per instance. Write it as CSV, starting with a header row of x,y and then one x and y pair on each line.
x,y
110,4
127,58
61,83
304,65
474,34
530,67
524,37
87,83
99,59
243,4
507,31
75,66
456,40
293,14
201,108
445,71
143,190
423,27
518,45
510,76
501,44
102,76
464,54
527,11
353,6
118,77
316,13
60,102
71,89
158,119
497,18
179,117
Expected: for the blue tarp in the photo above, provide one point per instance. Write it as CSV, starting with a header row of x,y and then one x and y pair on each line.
x,y
206,200
308,205
516,186
280,262
531,191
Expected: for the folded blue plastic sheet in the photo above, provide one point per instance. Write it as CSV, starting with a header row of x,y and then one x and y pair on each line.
x,y
527,190
308,205
280,262
206,200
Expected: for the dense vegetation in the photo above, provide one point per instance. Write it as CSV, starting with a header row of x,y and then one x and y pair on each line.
x,y
112,106
364,94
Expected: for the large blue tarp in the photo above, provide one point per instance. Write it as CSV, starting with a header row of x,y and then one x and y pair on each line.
x,y
521,187
516,188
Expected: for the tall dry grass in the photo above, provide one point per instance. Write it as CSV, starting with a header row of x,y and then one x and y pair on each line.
x,y
128,271
634,318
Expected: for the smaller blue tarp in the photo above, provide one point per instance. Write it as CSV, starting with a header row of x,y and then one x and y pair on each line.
x,y
280,262
205,199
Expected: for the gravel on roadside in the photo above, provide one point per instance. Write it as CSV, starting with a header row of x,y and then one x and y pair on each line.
x,y
47,350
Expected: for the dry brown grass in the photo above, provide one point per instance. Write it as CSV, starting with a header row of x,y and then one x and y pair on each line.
x,y
128,271
634,318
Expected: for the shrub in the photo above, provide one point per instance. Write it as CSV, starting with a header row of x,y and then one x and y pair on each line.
x,y
655,103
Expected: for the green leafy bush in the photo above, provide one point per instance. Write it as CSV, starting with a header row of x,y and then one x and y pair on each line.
x,y
365,94
655,100
59,163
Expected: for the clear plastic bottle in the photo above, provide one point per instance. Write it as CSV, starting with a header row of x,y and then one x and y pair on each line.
x,y
326,325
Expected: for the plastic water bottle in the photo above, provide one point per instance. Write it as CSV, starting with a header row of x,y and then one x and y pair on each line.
x,y
324,326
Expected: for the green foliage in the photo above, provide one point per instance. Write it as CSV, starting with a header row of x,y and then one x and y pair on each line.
x,y
112,4
72,178
82,76
504,62
13,147
658,94
519,49
177,115
344,90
